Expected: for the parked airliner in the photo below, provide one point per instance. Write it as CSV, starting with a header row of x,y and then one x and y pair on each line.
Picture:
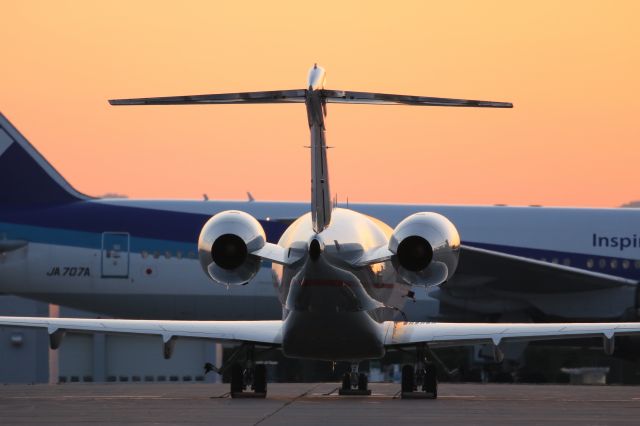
x,y
341,275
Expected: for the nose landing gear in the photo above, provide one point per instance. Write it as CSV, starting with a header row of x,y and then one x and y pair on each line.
x,y
354,383
419,381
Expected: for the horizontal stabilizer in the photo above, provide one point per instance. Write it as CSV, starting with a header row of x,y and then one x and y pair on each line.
x,y
346,97
273,96
299,96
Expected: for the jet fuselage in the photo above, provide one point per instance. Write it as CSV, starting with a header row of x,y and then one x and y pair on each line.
x,y
326,300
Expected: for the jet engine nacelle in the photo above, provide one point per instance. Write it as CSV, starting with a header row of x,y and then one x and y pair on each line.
x,y
425,249
225,246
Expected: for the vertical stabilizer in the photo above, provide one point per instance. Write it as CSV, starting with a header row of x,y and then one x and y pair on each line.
x,y
320,192
25,176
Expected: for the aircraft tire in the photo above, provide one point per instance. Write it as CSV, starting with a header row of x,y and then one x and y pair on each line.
x,y
236,378
407,378
363,382
346,381
431,381
260,379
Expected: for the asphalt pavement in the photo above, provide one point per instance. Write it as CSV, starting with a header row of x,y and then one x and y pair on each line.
x,y
317,404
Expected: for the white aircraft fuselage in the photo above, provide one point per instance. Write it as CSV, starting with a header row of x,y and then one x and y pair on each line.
x,y
330,307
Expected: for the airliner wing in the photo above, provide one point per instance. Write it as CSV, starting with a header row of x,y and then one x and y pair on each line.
x,y
266,97
460,334
521,274
260,332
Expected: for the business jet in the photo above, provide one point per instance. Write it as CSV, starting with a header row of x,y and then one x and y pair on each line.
x,y
340,274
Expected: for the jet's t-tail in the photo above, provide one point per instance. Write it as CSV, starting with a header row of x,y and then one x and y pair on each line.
x,y
315,97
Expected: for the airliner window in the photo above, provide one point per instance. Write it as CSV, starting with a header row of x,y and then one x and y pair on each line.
x,y
156,254
566,261
636,264
602,263
144,254
555,260
625,264
590,263
614,264
192,255
167,254
179,254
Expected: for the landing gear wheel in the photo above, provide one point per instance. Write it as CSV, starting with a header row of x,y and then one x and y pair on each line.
x,y
408,378
363,382
354,383
430,385
346,381
260,379
237,380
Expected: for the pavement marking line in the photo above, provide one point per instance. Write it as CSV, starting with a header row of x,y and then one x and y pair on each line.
x,y
286,404
224,395
329,393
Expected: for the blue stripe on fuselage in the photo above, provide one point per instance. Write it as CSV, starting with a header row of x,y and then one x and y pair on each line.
x,y
93,217
90,240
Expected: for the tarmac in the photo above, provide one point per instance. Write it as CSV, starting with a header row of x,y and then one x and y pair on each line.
x,y
317,404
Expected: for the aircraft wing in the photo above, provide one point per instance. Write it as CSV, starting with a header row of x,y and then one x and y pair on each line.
x,y
260,332
521,274
461,334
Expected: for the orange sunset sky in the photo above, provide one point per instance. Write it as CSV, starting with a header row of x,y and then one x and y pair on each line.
x,y
571,68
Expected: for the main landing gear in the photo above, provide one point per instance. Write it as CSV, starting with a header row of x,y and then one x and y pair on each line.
x,y
252,377
354,383
419,381
248,379
248,376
